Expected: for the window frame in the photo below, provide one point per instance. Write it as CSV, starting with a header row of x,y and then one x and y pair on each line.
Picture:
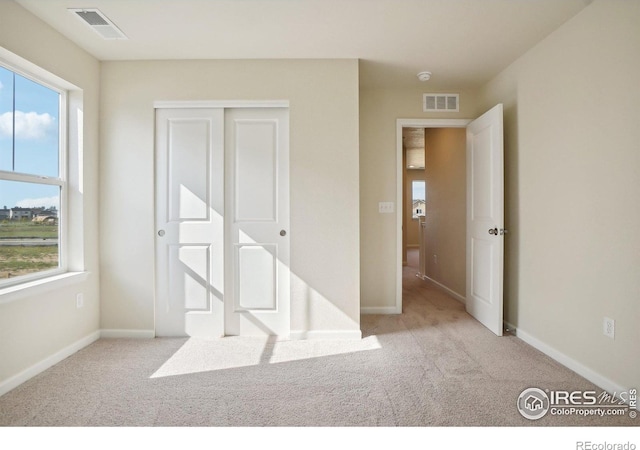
x,y
62,180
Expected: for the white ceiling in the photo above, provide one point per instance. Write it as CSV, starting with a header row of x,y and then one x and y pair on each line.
x,y
463,42
413,137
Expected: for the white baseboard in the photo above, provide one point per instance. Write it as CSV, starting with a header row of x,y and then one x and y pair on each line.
x,y
136,334
461,298
596,378
326,334
46,363
379,310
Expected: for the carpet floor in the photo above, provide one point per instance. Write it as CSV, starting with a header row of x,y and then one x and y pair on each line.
x,y
433,365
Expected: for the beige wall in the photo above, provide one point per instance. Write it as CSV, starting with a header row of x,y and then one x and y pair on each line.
x,y
323,96
38,324
445,230
572,109
379,110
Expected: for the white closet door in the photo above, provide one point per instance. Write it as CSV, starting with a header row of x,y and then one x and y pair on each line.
x,y
257,222
189,222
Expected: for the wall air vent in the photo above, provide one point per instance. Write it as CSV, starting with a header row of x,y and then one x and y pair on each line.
x,y
99,23
441,102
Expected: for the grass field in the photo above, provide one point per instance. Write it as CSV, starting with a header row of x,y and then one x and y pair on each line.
x,y
17,260
23,230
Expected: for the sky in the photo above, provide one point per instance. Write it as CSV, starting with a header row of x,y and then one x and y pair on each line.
x,y
418,188
36,140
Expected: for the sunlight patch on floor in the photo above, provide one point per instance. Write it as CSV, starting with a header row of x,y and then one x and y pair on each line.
x,y
199,355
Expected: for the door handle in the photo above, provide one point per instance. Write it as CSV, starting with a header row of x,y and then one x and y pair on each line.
x,y
493,231
161,233
283,233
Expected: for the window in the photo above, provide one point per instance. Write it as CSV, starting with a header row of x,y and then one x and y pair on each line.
x,y
418,198
32,178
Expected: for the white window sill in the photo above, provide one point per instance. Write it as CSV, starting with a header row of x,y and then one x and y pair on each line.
x,y
40,286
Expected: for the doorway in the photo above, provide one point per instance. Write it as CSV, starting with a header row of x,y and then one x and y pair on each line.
x,y
414,194
440,231
401,125
484,218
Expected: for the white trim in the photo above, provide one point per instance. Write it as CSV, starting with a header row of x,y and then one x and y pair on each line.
x,y
41,285
461,298
221,104
37,75
74,223
431,123
25,375
135,334
63,175
380,310
29,178
326,334
579,368
400,124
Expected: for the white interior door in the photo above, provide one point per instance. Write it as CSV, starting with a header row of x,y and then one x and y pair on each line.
x,y
257,225
189,222
485,219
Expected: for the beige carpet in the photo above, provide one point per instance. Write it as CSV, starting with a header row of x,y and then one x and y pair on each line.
x,y
431,366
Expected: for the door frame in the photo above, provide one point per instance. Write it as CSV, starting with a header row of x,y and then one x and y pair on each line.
x,y
400,124
194,104
161,104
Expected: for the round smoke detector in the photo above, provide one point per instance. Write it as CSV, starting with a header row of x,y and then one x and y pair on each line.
x,y
424,76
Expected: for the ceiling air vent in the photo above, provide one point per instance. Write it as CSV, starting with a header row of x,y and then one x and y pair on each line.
x,y
441,102
99,23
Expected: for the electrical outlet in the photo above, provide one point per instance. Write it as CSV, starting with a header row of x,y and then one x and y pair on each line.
x,y
609,327
435,259
79,300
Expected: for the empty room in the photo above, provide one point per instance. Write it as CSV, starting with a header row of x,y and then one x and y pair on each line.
x,y
204,203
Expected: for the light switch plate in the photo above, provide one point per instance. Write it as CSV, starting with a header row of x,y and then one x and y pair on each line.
x,y
386,207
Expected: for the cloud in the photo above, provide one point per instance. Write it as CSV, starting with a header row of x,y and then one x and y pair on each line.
x,y
47,202
30,125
